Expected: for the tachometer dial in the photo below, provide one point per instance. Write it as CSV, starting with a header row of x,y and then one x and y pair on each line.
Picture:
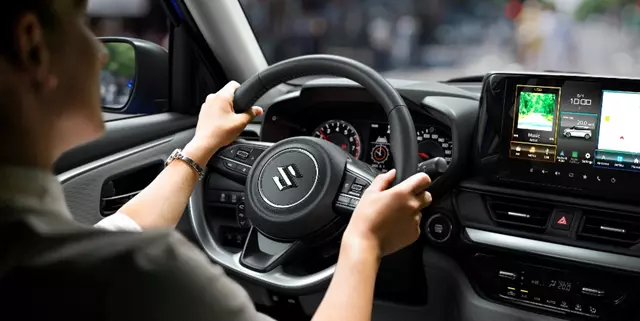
x,y
433,142
380,154
342,134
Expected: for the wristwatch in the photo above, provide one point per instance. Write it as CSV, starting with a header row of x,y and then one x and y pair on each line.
x,y
177,154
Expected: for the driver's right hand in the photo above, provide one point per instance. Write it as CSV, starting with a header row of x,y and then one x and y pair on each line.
x,y
387,220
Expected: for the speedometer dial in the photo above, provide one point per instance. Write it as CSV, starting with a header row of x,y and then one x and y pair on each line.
x,y
342,134
433,142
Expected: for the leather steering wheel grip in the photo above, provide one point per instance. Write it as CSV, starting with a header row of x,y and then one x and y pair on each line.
x,y
403,143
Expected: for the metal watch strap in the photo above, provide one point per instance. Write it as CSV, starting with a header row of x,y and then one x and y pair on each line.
x,y
177,154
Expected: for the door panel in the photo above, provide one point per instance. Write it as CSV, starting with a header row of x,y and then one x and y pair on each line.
x,y
83,185
123,134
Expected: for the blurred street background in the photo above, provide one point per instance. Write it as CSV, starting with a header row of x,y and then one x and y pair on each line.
x,y
425,39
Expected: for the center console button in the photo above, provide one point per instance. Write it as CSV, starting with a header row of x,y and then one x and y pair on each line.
x,y
439,228
562,220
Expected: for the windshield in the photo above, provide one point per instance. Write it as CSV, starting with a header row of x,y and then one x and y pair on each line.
x,y
441,39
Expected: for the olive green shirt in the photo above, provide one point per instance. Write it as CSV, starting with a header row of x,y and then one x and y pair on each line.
x,y
53,268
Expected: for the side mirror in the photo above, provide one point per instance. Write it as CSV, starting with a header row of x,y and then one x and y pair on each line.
x,y
135,80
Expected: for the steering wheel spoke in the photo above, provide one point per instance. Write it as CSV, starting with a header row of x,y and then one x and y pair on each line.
x,y
235,161
262,254
356,179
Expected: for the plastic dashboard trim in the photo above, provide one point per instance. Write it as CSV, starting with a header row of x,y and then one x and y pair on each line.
x,y
576,254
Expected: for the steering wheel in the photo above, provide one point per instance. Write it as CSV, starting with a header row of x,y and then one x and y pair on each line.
x,y
299,191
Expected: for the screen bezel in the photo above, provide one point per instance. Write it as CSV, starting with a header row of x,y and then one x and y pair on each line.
x,y
520,170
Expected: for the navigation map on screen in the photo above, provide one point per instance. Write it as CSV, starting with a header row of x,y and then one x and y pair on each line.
x,y
619,125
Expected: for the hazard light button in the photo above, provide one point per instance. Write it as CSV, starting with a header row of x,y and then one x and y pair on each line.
x,y
562,220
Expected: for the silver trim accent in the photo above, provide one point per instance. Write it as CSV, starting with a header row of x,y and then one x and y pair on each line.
x,y
120,196
276,180
507,275
576,254
71,174
613,229
288,182
518,214
284,176
277,277
292,171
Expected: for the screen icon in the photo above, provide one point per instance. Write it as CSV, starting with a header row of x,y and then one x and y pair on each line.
x,y
584,177
620,159
571,175
558,173
598,178
636,161
603,157
574,154
587,155
561,153
532,150
518,148
547,152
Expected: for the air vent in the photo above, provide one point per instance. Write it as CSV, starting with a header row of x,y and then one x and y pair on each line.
x,y
525,215
610,228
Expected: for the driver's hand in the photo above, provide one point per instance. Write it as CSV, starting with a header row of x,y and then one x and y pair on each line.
x,y
218,124
386,220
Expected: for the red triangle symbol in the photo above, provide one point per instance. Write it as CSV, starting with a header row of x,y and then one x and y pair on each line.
x,y
562,221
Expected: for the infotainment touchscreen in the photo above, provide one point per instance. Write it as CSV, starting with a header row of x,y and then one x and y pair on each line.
x,y
574,131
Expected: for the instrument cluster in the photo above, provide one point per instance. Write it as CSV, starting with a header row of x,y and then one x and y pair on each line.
x,y
370,141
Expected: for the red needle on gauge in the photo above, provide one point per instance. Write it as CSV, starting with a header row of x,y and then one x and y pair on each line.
x,y
323,135
423,155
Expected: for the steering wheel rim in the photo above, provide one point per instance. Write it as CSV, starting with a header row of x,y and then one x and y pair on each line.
x,y
392,103
403,146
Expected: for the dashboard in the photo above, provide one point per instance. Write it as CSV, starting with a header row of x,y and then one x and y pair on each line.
x,y
536,214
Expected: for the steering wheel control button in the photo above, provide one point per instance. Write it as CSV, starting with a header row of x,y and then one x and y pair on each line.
x,y
242,169
344,200
288,178
439,228
223,197
348,181
253,155
229,152
230,165
242,154
562,220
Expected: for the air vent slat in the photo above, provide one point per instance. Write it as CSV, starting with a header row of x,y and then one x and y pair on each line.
x,y
610,228
516,213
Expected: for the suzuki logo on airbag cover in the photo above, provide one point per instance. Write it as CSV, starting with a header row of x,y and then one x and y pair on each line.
x,y
286,179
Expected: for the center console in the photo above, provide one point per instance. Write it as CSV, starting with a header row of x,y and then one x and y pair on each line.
x,y
567,132
550,218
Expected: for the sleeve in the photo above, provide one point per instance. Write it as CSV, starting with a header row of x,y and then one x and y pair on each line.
x,y
119,222
173,280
